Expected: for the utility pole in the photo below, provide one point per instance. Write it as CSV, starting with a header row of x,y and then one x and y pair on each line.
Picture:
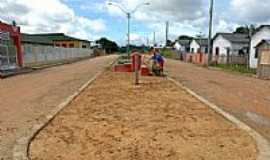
x,y
167,33
210,32
128,44
154,40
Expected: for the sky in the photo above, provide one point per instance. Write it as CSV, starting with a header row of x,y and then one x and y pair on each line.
x,y
92,19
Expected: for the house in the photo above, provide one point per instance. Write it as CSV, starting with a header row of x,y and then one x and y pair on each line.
x,y
32,40
225,44
199,45
62,40
263,50
261,33
182,45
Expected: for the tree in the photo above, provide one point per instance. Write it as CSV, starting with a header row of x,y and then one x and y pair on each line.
x,y
108,45
245,29
185,37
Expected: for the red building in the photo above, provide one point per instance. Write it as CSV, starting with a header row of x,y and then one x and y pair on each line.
x,y
15,36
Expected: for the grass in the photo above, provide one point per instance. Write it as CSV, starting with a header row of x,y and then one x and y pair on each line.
x,y
168,53
237,68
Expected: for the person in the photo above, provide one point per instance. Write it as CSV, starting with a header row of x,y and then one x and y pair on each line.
x,y
158,62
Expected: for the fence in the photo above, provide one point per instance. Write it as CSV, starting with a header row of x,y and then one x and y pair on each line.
x,y
7,56
231,59
36,55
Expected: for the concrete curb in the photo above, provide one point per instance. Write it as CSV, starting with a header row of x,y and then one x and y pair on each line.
x,y
262,144
21,148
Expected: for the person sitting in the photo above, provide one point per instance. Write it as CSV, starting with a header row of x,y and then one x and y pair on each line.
x,y
158,62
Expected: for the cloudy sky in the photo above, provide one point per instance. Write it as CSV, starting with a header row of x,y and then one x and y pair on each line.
x,y
92,19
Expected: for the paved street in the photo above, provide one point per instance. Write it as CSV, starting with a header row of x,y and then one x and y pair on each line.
x,y
25,99
245,97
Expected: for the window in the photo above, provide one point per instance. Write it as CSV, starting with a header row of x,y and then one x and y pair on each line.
x,y
217,51
84,46
71,45
192,50
64,45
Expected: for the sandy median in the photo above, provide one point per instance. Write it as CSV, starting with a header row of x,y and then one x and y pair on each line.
x,y
112,120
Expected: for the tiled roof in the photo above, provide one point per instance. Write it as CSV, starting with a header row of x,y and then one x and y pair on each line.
x,y
202,41
59,37
234,37
184,42
28,38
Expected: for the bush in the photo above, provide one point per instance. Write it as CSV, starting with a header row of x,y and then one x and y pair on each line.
x,y
168,53
237,68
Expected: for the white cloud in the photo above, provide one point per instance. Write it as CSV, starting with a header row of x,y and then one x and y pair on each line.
x,y
49,16
251,11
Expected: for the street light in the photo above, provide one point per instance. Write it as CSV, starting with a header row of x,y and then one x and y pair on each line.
x,y
128,14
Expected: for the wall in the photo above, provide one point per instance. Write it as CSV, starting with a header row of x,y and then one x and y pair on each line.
x,y
35,55
223,44
76,44
255,40
194,46
263,70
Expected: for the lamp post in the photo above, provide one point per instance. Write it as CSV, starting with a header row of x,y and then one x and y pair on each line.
x,y
128,14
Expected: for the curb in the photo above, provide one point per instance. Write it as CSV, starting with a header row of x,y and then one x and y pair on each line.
x,y
21,147
262,144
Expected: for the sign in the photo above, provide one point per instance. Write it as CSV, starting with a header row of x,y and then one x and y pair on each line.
x,y
4,36
265,57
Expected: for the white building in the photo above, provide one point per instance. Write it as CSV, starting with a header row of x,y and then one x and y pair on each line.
x,y
199,45
225,44
182,45
261,33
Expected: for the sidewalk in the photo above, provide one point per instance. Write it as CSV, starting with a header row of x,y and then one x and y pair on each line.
x,y
245,97
26,99
157,120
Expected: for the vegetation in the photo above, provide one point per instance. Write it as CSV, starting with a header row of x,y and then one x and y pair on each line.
x,y
168,53
237,68
108,45
185,37
245,29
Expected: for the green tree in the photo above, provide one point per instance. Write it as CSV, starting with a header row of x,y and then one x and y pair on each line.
x,y
245,29
185,37
108,45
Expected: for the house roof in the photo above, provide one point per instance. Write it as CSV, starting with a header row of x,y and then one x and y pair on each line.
x,y
267,41
261,27
202,41
184,42
28,38
59,37
234,37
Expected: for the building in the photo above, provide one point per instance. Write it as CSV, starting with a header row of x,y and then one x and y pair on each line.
x,y
182,46
230,44
62,40
11,54
261,33
33,40
263,50
199,45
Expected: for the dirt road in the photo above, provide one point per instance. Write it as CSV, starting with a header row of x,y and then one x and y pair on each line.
x,y
113,119
26,99
245,97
